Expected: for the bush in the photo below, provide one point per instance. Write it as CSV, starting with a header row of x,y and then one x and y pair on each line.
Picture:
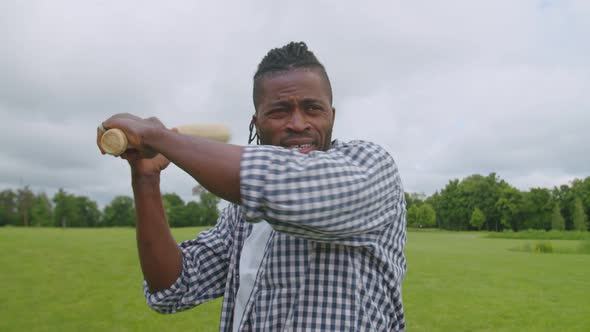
x,y
584,248
543,247
535,234
539,247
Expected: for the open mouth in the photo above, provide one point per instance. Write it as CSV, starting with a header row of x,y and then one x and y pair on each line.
x,y
303,148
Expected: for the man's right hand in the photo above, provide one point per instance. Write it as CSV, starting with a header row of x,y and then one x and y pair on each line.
x,y
143,161
141,167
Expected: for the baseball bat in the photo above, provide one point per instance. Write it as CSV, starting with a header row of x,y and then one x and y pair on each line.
x,y
114,141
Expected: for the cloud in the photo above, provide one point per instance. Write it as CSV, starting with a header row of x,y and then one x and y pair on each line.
x,y
449,88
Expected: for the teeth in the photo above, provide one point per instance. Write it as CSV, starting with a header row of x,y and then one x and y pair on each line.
x,y
300,146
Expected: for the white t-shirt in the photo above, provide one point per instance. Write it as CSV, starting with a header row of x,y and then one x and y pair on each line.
x,y
252,254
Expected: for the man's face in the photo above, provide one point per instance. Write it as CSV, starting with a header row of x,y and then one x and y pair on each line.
x,y
294,110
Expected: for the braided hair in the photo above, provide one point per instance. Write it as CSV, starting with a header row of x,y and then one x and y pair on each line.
x,y
279,60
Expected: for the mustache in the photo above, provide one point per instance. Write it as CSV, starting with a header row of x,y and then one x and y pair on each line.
x,y
290,137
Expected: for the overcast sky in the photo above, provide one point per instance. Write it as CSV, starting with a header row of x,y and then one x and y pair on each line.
x,y
449,88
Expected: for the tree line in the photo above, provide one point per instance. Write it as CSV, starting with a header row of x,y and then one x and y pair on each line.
x,y
489,203
23,207
476,202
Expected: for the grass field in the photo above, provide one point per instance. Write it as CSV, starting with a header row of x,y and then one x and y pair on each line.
x,y
541,234
89,280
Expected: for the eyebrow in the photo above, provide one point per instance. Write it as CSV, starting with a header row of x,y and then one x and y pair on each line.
x,y
311,100
287,103
280,103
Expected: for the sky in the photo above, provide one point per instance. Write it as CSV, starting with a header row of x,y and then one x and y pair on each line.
x,y
449,88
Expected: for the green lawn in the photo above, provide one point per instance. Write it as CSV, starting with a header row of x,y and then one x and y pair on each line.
x,y
465,282
89,280
83,280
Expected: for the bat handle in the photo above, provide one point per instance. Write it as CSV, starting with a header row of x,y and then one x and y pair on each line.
x,y
114,142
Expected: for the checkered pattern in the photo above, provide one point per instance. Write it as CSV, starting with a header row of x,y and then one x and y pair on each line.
x,y
334,261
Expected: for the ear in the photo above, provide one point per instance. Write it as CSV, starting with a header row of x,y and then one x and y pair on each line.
x,y
254,122
333,114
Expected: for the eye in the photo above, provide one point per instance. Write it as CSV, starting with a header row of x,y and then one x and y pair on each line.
x,y
277,112
313,107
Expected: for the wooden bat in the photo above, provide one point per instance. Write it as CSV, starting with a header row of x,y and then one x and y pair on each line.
x,y
114,141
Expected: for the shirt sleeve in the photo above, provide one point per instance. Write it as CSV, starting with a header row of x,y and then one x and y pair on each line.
x,y
351,190
205,261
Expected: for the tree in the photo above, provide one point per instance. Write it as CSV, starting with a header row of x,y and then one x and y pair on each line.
x,y
42,211
564,196
3,219
483,192
537,209
477,219
412,216
557,221
87,211
202,213
457,200
172,199
581,190
75,211
451,208
174,208
209,213
8,208
580,218
119,212
509,205
24,198
414,199
191,215
63,211
434,200
426,216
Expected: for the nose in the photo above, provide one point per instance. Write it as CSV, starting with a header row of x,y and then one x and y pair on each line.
x,y
298,121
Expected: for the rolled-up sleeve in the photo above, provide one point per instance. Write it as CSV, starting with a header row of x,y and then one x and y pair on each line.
x,y
205,261
350,190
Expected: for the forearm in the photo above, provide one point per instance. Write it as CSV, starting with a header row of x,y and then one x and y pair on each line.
x,y
159,255
216,166
350,190
205,267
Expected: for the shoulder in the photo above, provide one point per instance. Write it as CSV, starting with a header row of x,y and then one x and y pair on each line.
x,y
362,151
371,156
338,145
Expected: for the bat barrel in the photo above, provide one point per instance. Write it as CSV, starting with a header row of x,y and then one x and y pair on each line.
x,y
114,141
216,132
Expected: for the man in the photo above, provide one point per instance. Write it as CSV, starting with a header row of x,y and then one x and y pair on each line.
x,y
314,238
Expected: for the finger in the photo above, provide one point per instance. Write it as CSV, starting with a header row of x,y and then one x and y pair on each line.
x,y
106,125
164,162
116,120
147,153
131,154
99,133
162,159
156,121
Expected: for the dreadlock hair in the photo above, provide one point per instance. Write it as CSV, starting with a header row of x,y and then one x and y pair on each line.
x,y
294,55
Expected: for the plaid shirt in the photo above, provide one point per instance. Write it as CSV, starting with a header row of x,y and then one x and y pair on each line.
x,y
334,260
